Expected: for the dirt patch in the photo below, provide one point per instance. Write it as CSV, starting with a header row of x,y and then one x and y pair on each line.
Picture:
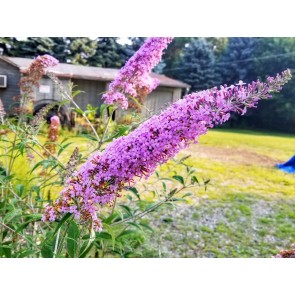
x,y
230,155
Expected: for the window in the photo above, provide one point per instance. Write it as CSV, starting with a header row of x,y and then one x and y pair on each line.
x,y
3,81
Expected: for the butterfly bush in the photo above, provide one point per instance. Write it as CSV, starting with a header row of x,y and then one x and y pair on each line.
x,y
134,78
31,79
129,158
53,133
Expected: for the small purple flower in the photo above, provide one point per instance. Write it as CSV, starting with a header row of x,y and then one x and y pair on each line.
x,y
47,60
134,79
129,158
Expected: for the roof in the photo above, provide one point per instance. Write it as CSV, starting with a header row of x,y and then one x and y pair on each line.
x,y
63,70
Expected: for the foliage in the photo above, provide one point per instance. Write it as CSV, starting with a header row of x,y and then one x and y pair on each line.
x,y
233,64
25,191
245,58
104,183
197,65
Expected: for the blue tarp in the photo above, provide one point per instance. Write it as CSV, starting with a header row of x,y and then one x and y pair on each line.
x,y
289,166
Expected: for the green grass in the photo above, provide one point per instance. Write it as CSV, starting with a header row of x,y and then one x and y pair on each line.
x,y
248,209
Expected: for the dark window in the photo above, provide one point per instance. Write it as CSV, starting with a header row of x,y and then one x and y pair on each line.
x,y
3,81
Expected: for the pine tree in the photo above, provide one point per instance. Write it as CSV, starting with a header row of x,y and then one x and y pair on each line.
x,y
34,46
109,53
61,49
172,56
197,65
130,49
7,46
236,62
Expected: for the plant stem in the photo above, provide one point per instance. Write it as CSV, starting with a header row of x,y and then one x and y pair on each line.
x,y
105,130
140,215
70,98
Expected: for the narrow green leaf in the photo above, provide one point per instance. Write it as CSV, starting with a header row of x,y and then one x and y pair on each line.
x,y
194,180
135,191
102,109
127,209
63,148
172,192
184,158
78,111
73,239
85,249
19,189
179,179
11,215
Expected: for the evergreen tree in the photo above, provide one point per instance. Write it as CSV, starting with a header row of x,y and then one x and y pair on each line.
x,y
130,49
172,56
33,46
7,46
197,65
236,63
61,48
109,53
82,49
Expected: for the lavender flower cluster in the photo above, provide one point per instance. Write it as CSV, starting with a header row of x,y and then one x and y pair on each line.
x,y
46,61
101,179
134,79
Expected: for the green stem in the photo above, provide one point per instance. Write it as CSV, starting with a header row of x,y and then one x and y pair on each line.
x,y
105,130
142,214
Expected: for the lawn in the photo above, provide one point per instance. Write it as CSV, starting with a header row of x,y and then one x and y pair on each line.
x,y
248,210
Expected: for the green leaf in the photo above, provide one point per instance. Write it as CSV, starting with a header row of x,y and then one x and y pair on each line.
x,y
103,236
79,111
135,191
19,189
164,186
187,195
135,225
102,109
127,209
72,239
121,131
172,193
206,183
62,148
25,253
47,247
147,226
127,232
184,158
76,92
11,215
62,221
179,179
63,102
113,217
86,247
194,180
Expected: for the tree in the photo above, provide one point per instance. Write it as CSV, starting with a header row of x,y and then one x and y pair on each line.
x,y
7,45
172,56
61,48
236,63
197,65
81,50
109,53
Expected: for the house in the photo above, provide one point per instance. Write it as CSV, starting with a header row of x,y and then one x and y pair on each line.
x,y
91,81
